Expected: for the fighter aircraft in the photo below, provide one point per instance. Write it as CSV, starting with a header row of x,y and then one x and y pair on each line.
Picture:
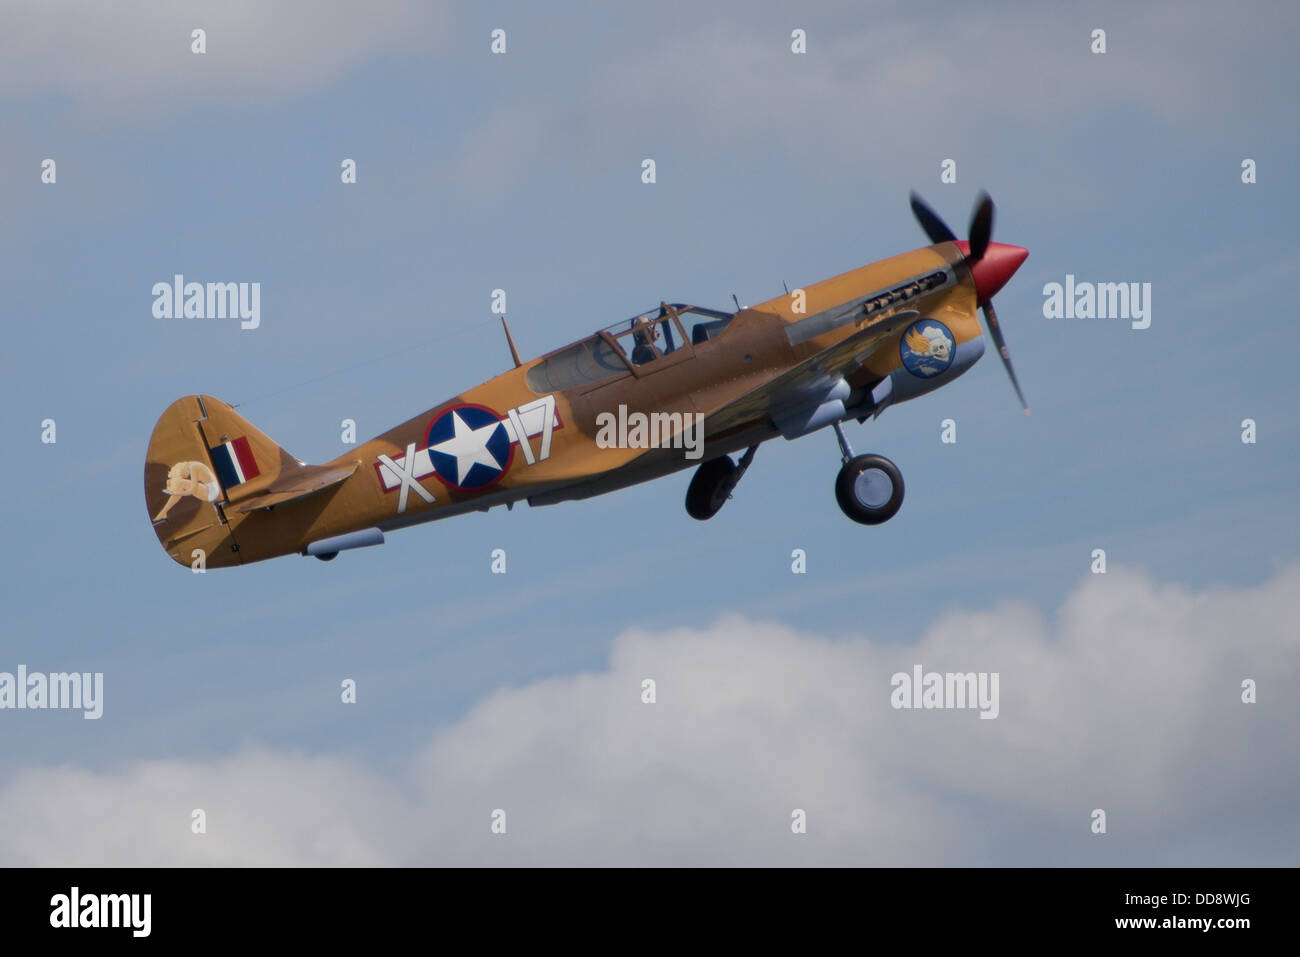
x,y
674,387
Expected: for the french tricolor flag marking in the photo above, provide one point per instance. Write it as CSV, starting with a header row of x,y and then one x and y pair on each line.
x,y
234,462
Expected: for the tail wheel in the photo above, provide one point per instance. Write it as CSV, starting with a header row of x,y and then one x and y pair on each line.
x,y
869,489
710,488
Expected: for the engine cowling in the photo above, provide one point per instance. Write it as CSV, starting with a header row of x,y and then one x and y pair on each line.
x,y
922,373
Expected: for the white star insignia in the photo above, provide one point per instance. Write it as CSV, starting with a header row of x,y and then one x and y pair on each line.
x,y
469,447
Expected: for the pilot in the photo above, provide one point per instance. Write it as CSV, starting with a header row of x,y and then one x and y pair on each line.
x,y
644,336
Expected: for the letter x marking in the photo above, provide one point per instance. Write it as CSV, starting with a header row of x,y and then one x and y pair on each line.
x,y
403,473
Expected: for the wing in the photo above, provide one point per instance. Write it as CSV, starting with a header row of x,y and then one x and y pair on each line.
x,y
807,383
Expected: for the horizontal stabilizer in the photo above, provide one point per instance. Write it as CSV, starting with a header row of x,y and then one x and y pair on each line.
x,y
299,483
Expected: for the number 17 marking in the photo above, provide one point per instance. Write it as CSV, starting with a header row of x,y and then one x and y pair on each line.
x,y
545,406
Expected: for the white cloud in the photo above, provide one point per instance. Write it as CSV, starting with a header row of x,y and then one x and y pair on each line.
x,y
1129,702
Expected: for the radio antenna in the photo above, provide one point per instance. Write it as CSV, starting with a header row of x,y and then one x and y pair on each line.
x,y
510,340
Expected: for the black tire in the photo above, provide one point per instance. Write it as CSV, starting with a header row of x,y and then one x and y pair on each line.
x,y
869,502
328,556
710,488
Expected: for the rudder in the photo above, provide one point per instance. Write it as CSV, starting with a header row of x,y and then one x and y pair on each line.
x,y
203,456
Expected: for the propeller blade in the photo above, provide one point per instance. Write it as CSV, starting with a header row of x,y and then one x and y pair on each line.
x,y
995,333
934,227
981,227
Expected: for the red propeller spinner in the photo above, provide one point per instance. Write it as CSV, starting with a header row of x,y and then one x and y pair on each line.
x,y
995,270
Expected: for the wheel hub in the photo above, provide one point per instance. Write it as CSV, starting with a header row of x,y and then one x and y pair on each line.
x,y
873,488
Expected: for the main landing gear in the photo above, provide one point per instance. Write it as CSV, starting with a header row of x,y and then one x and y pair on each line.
x,y
869,488
713,483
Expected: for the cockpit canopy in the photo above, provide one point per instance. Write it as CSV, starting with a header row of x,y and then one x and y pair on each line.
x,y
638,341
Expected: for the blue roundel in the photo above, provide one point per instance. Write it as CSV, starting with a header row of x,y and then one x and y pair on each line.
x,y
469,447
927,348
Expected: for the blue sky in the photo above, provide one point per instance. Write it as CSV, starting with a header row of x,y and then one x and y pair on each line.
x,y
523,172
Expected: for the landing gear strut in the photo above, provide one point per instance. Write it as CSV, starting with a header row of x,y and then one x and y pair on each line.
x,y
713,483
869,488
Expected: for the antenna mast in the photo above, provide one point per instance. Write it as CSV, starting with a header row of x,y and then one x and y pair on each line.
x,y
514,353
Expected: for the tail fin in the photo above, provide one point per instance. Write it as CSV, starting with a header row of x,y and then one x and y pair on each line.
x,y
204,457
